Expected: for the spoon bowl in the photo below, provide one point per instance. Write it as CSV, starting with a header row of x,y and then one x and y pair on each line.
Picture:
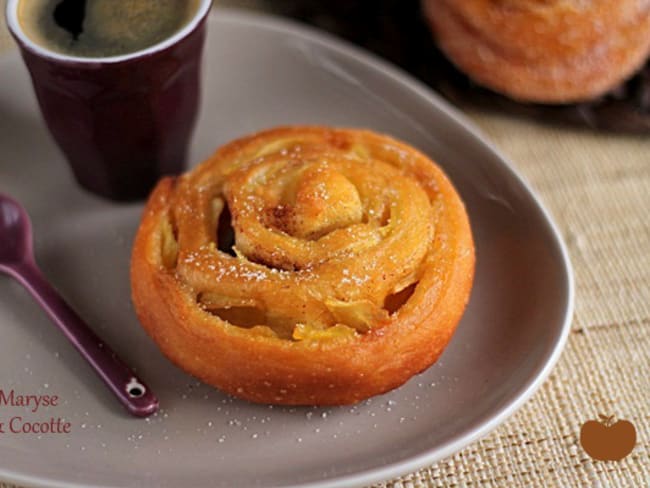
x,y
15,233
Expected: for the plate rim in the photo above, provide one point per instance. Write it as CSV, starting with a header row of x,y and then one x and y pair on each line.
x,y
527,389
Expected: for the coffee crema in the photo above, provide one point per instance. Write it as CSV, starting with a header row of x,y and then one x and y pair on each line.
x,y
102,28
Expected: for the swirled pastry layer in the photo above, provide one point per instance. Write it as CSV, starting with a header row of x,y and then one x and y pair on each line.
x,y
555,51
347,266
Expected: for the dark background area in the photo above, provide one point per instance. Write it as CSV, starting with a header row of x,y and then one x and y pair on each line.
x,y
397,31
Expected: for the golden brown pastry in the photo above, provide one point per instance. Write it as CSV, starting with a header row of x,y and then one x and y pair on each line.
x,y
554,51
351,265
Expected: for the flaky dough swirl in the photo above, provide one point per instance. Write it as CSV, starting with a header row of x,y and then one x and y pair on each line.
x,y
350,266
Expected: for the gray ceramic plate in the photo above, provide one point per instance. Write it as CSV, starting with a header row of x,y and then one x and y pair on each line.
x,y
263,72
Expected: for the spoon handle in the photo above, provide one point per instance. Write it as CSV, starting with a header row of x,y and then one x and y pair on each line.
x,y
127,387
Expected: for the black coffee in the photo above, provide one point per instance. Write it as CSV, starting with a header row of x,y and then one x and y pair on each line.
x,y
99,28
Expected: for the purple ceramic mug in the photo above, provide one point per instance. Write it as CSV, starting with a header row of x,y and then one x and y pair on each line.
x,y
121,121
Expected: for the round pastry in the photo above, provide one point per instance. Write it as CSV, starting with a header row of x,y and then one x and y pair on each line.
x,y
551,51
304,266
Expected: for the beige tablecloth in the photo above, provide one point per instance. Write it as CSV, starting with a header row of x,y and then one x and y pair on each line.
x,y
598,189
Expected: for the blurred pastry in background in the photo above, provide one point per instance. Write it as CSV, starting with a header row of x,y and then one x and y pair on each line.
x,y
545,51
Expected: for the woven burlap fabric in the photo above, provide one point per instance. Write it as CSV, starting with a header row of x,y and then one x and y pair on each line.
x,y
597,187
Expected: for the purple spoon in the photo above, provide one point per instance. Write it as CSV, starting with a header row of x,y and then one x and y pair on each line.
x,y
17,260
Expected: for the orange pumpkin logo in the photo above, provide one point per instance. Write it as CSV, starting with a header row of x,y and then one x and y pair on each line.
x,y
607,440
